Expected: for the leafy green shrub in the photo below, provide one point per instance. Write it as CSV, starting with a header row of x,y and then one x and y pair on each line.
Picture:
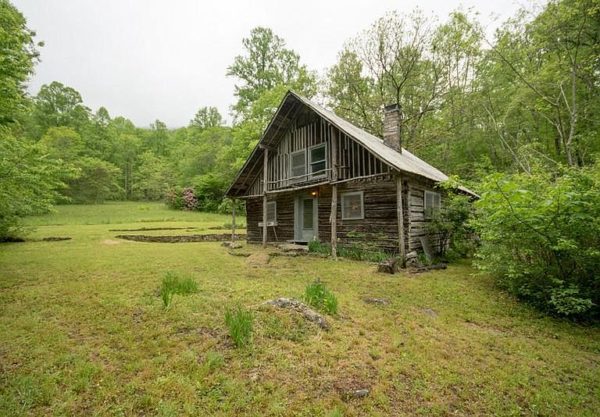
x,y
358,252
449,227
540,236
316,246
239,322
173,283
320,297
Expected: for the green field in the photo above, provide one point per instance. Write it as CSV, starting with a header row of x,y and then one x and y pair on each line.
x,y
84,332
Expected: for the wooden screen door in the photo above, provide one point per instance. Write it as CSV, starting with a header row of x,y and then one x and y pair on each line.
x,y
306,219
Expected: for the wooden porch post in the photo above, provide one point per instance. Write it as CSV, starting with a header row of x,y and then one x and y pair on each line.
x,y
400,213
334,178
265,184
233,201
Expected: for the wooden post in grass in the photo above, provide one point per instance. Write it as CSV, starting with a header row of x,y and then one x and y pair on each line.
x,y
233,219
264,206
334,178
400,214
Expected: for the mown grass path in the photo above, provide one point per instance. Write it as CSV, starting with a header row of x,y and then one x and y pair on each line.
x,y
84,332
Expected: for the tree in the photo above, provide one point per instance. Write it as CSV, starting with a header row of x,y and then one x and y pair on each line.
x,y
152,178
17,60
128,146
265,64
99,136
96,181
62,143
58,105
156,139
540,236
552,68
390,63
30,182
207,117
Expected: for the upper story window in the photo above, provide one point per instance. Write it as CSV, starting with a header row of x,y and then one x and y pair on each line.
x,y
432,203
318,160
298,165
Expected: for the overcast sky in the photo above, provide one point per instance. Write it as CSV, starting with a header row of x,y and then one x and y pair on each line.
x,y
151,59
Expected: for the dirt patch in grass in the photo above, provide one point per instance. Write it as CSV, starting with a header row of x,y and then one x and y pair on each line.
x,y
111,242
486,328
180,238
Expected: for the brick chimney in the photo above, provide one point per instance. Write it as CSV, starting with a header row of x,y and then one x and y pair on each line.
x,y
392,127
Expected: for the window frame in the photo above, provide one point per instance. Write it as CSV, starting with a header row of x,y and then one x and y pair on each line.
x,y
362,205
298,178
274,205
310,162
428,211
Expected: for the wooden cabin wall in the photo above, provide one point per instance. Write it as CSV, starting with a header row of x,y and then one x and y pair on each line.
x,y
285,218
417,222
379,226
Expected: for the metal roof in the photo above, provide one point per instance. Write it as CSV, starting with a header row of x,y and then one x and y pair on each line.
x,y
401,161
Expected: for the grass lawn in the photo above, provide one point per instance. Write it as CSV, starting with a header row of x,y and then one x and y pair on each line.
x,y
84,332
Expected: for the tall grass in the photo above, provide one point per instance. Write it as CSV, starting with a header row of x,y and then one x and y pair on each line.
x,y
239,322
173,283
320,297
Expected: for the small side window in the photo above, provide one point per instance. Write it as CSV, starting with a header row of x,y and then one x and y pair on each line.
x,y
271,211
352,206
432,203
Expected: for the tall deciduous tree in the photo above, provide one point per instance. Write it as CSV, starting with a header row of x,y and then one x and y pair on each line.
x,y
17,58
206,117
552,64
58,105
390,63
265,64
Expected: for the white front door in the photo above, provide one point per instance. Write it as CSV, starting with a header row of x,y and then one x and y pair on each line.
x,y
306,219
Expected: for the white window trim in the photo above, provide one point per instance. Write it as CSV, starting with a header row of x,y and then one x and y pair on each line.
x,y
427,210
291,172
362,205
274,204
309,166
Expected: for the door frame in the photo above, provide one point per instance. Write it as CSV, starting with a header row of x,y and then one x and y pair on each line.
x,y
299,217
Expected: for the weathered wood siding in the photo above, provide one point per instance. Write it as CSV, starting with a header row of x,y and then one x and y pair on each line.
x,y
417,224
379,225
285,218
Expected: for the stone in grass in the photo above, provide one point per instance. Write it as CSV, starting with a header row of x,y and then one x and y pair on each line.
x,y
378,301
355,394
429,312
389,266
308,313
291,247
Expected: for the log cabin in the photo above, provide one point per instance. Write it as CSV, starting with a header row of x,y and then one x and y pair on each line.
x,y
315,176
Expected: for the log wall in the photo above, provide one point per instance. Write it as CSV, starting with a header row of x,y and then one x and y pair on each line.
x,y
379,225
